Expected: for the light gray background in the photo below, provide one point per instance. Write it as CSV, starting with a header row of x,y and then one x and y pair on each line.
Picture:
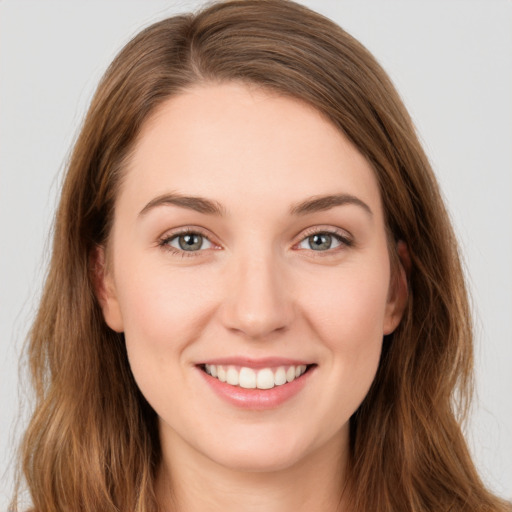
x,y
450,59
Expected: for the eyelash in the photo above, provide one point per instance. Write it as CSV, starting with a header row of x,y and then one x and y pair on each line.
x,y
343,238
167,238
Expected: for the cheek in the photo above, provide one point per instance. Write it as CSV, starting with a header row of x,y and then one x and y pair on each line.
x,y
162,300
164,311
348,314
352,300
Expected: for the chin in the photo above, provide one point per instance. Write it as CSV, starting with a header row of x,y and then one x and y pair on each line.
x,y
256,461
258,452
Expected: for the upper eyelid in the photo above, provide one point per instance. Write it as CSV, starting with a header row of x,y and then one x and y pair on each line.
x,y
164,241
340,233
330,230
185,230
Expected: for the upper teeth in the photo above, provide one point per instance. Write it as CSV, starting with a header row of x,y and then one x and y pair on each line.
x,y
264,378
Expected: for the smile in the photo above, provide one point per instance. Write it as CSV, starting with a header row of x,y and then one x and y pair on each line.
x,y
256,385
248,378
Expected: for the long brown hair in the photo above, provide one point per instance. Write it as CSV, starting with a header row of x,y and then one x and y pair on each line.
x,y
92,443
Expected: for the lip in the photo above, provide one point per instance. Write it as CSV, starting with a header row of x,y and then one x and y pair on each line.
x,y
256,399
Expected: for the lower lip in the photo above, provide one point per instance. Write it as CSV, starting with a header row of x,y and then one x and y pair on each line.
x,y
257,399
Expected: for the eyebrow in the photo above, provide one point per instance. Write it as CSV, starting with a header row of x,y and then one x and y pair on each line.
x,y
199,204
208,206
320,203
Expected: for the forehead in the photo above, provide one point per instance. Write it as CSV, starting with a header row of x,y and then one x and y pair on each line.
x,y
239,143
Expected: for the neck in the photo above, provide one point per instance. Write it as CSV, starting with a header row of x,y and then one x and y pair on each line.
x,y
190,482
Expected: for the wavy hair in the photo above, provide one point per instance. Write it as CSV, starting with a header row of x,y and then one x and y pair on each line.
x,y
92,443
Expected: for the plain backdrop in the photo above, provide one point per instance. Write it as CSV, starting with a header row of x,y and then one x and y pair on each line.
x,y
451,60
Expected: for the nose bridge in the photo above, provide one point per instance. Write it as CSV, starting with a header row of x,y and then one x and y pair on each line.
x,y
258,301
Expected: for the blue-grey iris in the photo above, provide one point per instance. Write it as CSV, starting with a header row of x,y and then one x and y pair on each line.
x,y
320,241
190,242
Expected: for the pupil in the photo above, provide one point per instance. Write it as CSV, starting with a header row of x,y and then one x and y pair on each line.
x,y
190,242
320,241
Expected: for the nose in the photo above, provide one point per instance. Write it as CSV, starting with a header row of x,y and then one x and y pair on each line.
x,y
258,301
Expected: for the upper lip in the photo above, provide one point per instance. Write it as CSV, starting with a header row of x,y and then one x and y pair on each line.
x,y
256,363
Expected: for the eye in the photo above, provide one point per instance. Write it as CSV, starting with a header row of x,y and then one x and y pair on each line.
x,y
323,241
188,242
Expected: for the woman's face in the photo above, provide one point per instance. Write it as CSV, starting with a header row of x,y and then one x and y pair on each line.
x,y
249,247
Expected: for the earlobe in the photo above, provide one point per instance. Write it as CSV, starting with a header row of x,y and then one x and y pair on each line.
x,y
399,289
105,290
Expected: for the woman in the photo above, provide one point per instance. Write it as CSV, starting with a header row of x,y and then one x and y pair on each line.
x,y
255,300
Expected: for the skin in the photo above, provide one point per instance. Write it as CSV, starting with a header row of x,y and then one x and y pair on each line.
x,y
255,289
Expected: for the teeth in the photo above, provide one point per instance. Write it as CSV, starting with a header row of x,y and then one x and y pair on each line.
x,y
232,376
265,378
247,378
280,376
299,370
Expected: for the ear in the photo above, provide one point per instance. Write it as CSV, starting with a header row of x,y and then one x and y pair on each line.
x,y
399,289
105,290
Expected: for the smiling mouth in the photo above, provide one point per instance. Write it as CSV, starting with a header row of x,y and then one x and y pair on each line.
x,y
262,378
